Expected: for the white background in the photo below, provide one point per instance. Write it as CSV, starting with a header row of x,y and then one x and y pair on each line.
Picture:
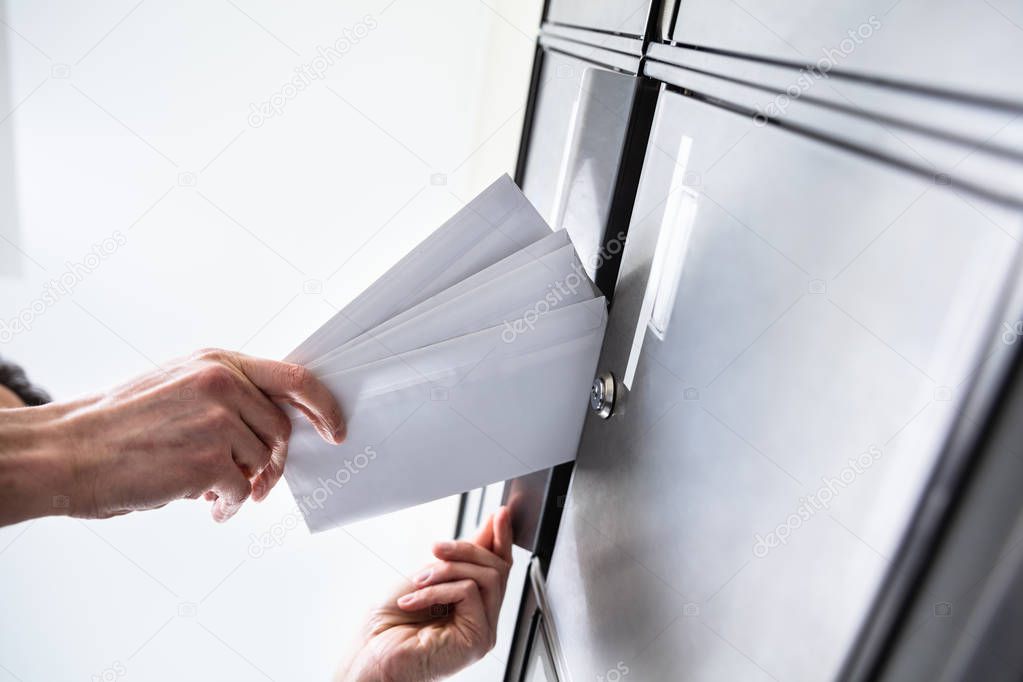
x,y
108,112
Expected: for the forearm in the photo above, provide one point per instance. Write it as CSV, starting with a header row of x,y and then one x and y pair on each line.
x,y
37,466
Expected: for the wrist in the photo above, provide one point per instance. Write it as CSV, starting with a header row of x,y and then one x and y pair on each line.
x,y
371,665
37,471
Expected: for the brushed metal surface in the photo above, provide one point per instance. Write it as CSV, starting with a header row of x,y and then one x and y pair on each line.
x,y
579,129
627,17
830,308
984,158
962,45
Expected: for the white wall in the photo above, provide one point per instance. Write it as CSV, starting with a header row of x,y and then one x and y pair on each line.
x,y
131,120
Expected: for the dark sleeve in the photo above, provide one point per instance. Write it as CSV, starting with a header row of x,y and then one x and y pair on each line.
x,y
14,378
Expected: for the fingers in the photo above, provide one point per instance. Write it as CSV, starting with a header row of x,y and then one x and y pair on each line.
x,y
496,534
485,537
232,489
501,522
297,386
249,452
464,594
489,580
458,592
475,561
237,410
272,426
471,553
269,476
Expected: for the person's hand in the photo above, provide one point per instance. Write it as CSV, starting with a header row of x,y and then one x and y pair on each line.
x,y
442,621
206,426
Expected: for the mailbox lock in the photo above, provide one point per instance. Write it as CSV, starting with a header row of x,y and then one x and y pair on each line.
x,y
602,396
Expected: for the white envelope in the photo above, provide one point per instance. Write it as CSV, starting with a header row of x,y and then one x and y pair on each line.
x,y
513,299
548,244
468,362
497,223
450,417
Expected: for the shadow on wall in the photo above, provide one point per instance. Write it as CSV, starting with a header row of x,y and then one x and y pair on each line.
x,y
10,259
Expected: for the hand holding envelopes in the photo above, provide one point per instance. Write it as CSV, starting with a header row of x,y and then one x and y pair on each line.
x,y
467,363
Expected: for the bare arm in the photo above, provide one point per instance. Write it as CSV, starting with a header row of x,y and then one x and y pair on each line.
x,y
209,425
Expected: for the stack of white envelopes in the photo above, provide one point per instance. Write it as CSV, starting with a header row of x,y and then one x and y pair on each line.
x,y
468,362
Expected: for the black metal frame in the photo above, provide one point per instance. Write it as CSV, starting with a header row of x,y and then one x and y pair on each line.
x,y
630,168
525,629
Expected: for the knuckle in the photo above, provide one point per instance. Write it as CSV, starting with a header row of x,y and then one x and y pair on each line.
x,y
233,491
272,471
219,420
215,379
244,491
281,426
265,458
209,354
296,377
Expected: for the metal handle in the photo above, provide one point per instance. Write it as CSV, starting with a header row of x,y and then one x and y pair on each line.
x,y
602,395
